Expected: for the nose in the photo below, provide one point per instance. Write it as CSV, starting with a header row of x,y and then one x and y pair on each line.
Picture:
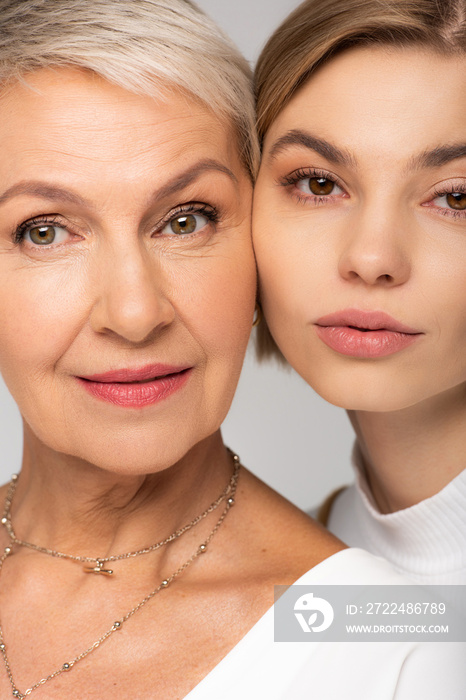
x,y
374,250
131,300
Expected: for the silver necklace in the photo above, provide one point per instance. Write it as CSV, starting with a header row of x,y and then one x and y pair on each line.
x,y
228,494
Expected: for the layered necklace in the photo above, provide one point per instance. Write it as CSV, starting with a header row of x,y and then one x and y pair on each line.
x,y
97,565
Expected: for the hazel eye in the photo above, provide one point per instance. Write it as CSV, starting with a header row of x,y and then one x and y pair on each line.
x,y
183,224
318,186
45,234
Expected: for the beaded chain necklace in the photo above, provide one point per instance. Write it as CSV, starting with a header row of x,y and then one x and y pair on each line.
x,y
228,495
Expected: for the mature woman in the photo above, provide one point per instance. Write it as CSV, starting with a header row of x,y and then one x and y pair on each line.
x,y
360,234
128,292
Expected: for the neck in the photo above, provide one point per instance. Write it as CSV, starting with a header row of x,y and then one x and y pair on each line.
x,y
70,505
412,454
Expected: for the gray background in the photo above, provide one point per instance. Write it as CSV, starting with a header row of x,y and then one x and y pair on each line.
x,y
282,430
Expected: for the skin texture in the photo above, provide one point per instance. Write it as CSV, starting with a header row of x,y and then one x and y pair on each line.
x,y
117,291
382,236
117,288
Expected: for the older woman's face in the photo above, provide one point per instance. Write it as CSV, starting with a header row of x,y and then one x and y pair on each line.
x,y
360,228
128,278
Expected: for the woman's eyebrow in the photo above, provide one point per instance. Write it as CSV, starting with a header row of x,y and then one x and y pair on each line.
x,y
36,188
438,156
184,179
298,137
434,158
44,190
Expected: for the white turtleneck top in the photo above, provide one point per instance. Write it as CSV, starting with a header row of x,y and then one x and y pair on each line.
x,y
426,542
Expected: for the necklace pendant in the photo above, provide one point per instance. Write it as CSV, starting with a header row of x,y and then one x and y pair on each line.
x,y
98,569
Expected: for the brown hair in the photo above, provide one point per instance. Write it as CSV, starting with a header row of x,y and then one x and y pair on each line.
x,y
318,30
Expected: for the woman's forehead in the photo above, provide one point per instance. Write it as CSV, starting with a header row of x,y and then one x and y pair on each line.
x,y
81,127
398,100
57,99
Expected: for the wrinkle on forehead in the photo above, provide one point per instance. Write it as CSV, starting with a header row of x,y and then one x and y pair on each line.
x,y
72,131
70,101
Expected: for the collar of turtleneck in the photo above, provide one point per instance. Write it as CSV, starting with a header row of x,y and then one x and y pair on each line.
x,y
426,541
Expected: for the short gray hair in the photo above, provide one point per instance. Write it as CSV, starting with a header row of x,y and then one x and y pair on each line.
x,y
139,45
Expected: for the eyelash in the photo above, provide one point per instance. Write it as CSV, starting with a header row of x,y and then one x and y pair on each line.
x,y
211,213
50,220
54,220
290,181
445,211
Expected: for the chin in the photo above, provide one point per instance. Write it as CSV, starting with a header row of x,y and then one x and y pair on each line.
x,y
400,395
370,393
125,462
125,452
368,402
132,455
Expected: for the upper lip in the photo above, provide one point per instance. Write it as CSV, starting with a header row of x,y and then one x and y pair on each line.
x,y
366,320
135,374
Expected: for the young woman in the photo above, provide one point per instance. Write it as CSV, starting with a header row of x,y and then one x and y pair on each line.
x,y
128,292
360,236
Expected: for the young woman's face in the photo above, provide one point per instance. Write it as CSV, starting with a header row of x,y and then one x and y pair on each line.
x,y
360,228
127,271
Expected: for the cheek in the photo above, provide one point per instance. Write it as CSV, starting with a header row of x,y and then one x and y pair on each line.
x,y
447,299
290,278
219,316
39,317
223,305
441,287
284,259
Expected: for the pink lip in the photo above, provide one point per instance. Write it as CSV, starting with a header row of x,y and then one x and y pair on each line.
x,y
136,388
364,334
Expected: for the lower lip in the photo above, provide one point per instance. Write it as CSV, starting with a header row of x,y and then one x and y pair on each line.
x,y
365,344
136,394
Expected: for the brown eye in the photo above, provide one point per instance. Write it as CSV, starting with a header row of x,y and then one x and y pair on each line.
x,y
186,223
183,224
456,200
42,235
321,185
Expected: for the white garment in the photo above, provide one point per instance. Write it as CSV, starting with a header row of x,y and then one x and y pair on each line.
x,y
258,668
426,543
